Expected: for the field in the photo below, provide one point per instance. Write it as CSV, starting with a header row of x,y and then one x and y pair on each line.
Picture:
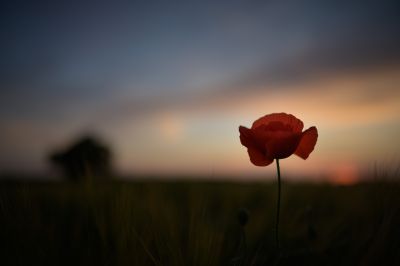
x,y
196,223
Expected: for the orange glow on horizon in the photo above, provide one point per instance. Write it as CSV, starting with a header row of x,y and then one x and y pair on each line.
x,y
344,174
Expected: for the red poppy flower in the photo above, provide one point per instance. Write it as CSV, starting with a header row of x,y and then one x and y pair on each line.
x,y
277,136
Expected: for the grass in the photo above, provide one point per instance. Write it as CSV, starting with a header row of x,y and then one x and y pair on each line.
x,y
195,223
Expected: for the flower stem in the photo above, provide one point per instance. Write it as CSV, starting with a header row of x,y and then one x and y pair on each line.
x,y
278,204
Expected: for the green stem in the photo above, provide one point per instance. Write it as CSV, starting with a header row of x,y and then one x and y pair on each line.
x,y
278,204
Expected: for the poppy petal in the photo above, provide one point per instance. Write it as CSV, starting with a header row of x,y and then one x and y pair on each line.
x,y
257,158
286,119
307,143
246,137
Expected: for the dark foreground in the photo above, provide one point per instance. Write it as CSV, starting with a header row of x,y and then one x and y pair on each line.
x,y
177,223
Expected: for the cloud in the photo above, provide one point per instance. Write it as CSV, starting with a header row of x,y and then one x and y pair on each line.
x,y
346,95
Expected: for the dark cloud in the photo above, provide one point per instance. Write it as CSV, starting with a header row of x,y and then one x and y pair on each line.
x,y
329,59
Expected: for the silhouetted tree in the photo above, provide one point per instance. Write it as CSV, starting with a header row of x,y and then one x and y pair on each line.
x,y
86,158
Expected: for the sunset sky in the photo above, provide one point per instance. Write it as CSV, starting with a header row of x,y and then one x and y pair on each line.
x,y
167,83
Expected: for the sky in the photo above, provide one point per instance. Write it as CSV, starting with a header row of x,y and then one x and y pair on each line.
x,y
167,83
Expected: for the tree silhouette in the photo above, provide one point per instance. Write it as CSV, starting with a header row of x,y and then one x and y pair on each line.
x,y
85,158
